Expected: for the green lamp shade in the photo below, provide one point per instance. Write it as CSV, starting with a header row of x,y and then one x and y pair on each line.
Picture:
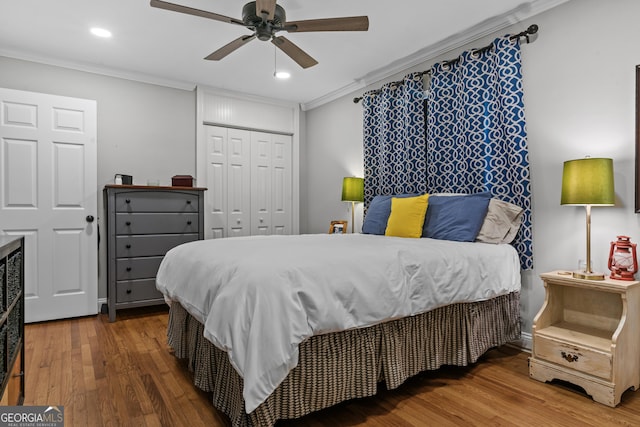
x,y
352,189
588,182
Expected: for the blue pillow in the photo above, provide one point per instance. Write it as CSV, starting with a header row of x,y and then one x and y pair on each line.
x,y
457,218
375,222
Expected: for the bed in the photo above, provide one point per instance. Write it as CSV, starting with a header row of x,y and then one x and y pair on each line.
x,y
276,327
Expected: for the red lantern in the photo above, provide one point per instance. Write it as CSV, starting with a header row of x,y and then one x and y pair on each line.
x,y
623,261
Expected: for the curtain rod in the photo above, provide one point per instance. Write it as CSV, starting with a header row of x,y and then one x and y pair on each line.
x,y
526,33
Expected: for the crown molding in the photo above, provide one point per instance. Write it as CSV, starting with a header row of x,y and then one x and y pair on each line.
x,y
101,70
488,27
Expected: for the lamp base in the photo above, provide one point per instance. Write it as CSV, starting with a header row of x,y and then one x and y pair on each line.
x,y
588,275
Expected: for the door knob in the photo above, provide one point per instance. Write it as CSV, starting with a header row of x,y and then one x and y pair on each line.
x,y
90,218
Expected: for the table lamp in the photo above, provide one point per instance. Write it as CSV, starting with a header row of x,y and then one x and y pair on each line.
x,y
588,182
353,191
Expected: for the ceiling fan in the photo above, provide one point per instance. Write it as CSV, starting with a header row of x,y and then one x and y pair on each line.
x,y
266,18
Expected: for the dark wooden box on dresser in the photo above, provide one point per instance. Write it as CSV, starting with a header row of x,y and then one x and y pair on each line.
x,y
143,223
12,320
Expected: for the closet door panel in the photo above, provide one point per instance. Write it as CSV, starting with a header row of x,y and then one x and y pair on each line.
x,y
216,197
228,180
281,187
238,185
261,149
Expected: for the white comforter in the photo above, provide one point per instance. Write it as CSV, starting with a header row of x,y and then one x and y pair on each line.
x,y
259,297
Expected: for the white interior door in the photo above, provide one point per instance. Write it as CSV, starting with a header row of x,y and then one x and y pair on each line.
x,y
48,193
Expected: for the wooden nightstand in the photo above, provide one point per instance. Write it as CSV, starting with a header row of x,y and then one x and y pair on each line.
x,y
588,333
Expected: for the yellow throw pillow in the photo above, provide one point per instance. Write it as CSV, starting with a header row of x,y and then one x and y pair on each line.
x,y
407,216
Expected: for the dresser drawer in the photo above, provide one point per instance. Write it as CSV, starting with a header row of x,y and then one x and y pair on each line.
x,y
156,201
137,290
150,245
579,358
137,268
156,223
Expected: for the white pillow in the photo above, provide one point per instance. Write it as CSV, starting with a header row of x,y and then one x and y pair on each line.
x,y
502,222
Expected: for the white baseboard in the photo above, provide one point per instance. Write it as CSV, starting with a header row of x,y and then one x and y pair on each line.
x,y
101,302
524,343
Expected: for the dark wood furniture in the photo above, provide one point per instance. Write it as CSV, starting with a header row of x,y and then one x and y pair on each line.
x,y
12,320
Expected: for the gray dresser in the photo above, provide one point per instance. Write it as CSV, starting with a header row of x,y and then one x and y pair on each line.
x,y
143,223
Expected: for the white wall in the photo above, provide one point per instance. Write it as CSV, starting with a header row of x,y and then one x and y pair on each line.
x,y
144,130
579,83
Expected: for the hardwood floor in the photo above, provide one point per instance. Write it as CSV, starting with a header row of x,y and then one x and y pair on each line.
x,y
124,374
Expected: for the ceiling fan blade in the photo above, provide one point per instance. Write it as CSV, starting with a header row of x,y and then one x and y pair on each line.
x,y
294,52
266,6
230,47
191,11
351,23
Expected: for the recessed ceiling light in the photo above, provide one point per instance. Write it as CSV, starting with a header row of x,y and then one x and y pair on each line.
x,y
101,32
282,75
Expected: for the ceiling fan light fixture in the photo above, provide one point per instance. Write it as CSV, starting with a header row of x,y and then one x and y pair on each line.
x,y
281,75
100,32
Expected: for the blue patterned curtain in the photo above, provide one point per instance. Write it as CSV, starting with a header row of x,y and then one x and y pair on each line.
x,y
476,136
395,139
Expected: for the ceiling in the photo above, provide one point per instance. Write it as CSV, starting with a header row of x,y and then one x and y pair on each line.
x,y
164,47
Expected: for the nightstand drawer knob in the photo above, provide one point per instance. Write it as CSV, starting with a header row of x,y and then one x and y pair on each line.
x,y
188,202
128,268
188,222
128,223
128,201
128,291
569,357
128,246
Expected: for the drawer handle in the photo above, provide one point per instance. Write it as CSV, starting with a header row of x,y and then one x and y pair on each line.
x,y
128,223
128,291
128,246
128,268
188,202
128,201
188,222
569,357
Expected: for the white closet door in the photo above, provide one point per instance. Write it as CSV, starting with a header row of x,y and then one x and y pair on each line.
x,y
261,147
249,183
270,183
228,199
281,185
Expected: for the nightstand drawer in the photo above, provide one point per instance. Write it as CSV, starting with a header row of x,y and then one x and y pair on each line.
x,y
579,358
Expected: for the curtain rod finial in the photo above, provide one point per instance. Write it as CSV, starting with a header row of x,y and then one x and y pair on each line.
x,y
532,29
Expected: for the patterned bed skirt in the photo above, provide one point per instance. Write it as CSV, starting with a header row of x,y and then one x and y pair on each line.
x,y
345,365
